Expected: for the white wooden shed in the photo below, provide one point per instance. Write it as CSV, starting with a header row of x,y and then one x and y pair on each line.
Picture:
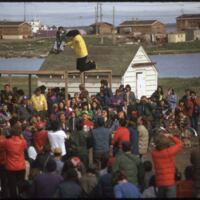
x,y
130,64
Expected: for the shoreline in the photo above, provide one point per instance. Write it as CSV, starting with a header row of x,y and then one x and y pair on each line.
x,y
34,55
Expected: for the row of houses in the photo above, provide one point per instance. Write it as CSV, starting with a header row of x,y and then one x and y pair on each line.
x,y
149,30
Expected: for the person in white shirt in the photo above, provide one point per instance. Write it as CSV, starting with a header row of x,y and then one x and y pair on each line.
x,y
57,137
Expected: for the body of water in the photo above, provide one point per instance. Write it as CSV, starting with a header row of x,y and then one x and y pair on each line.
x,y
171,65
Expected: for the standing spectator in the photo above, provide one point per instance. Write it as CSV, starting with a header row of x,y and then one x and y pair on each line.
x,y
123,188
143,135
40,137
57,152
60,40
129,96
171,99
107,91
158,95
148,173
57,137
79,144
15,161
89,182
117,101
101,137
121,135
128,163
184,188
163,157
70,187
39,102
73,120
63,122
45,184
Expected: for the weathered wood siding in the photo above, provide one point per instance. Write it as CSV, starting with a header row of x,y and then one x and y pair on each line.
x,y
150,73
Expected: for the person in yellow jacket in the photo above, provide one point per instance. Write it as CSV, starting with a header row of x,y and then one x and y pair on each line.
x,y
39,101
77,42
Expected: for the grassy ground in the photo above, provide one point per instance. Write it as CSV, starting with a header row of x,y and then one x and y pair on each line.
x,y
40,46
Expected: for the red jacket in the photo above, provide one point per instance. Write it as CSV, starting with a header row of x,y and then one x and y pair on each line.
x,y
15,147
122,134
190,105
164,163
40,138
2,150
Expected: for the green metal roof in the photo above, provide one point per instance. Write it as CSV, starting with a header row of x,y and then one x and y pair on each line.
x,y
116,58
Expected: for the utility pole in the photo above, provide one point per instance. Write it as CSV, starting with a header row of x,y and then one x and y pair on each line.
x,y
113,30
24,11
101,22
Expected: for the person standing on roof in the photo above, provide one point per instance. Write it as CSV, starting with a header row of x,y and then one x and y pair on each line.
x,y
77,42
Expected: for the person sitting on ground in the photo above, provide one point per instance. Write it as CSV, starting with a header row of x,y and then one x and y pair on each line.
x,y
78,44
123,188
184,188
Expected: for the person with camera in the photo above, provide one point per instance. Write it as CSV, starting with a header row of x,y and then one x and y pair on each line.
x,y
166,148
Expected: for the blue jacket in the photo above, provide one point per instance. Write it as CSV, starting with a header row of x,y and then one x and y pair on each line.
x,y
126,190
134,137
101,137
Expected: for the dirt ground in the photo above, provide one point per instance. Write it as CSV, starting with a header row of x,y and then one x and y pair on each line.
x,y
182,158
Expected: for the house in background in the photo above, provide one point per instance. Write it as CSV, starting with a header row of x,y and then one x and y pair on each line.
x,y
186,21
35,24
15,30
176,37
130,64
101,28
192,34
141,26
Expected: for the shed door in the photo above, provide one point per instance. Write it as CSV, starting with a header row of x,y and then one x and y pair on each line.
x,y
140,84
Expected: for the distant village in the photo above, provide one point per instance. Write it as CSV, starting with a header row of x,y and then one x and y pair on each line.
x,y
187,28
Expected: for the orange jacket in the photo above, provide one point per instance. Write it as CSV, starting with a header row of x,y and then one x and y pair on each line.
x,y
122,134
164,163
14,148
2,150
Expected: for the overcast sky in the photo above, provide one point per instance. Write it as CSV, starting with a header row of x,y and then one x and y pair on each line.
x,y
69,13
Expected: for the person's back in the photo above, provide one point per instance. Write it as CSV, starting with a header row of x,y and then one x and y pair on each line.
x,y
126,190
45,184
40,138
127,162
101,139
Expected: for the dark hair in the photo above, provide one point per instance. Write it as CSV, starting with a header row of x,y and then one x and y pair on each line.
x,y
16,130
188,172
51,165
72,33
152,181
104,82
100,121
71,174
92,168
118,176
38,89
128,86
55,125
122,122
79,125
126,146
147,165
60,28
67,165
192,92
13,120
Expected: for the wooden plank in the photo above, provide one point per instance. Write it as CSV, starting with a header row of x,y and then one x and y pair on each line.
x,y
29,85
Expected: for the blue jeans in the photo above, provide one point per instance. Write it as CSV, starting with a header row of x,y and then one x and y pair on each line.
x,y
167,191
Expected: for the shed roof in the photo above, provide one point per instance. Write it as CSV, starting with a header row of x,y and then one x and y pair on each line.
x,y
100,23
185,16
137,22
115,58
11,23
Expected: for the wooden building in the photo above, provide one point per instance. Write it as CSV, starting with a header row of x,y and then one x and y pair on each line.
x,y
15,30
129,64
101,28
176,37
141,26
187,21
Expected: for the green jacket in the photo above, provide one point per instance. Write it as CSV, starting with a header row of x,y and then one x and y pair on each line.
x,y
128,163
79,143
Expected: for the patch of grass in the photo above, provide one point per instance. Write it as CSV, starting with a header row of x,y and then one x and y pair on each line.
x,y
180,84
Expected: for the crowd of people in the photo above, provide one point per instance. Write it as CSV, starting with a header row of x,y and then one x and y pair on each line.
x,y
95,145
